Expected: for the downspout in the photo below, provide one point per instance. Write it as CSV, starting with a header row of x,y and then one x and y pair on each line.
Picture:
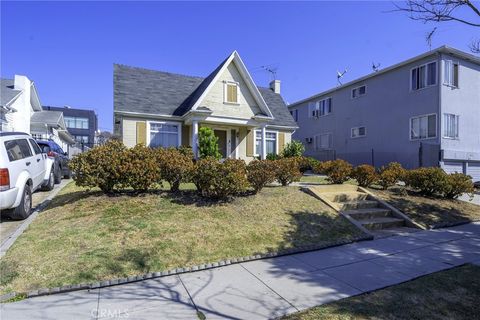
x,y
440,86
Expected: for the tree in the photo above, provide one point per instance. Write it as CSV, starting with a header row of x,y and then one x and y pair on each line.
x,y
208,143
437,11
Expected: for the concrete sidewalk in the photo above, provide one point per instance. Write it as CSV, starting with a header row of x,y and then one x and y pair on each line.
x,y
267,288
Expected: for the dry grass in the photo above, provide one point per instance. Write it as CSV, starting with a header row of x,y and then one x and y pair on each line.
x,y
429,211
451,294
86,236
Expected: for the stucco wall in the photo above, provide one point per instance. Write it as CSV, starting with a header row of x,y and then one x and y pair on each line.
x,y
385,111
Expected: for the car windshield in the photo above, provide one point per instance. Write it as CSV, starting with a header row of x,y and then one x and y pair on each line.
x,y
45,147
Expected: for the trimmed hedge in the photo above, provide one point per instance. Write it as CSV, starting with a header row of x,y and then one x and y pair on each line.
x,y
337,171
365,175
391,174
175,166
260,173
287,171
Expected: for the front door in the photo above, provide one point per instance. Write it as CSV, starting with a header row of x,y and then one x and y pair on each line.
x,y
222,142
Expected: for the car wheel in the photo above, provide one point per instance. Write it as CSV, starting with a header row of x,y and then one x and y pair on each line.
x,y
68,175
51,182
58,175
25,207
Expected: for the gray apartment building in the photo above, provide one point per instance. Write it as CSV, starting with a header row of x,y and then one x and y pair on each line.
x,y
424,111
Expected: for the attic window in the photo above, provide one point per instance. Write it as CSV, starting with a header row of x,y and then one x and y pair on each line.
x,y
231,92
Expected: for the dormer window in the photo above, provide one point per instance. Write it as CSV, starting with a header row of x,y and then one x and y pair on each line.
x,y
231,92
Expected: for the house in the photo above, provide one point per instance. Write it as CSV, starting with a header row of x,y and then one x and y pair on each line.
x,y
82,124
162,109
19,100
424,111
22,111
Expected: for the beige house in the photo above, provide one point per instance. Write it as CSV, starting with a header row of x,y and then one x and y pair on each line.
x,y
161,109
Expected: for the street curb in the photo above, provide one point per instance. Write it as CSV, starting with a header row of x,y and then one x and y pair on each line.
x,y
177,271
39,208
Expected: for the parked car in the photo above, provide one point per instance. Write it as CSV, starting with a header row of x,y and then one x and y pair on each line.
x,y
23,170
60,158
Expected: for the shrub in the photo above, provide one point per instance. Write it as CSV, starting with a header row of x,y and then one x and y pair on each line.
x,y
365,175
318,167
260,173
287,171
457,184
218,180
142,168
105,167
272,156
187,151
391,174
293,149
208,143
428,181
175,166
337,171
303,163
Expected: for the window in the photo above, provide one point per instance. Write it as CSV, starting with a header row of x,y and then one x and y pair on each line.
x,y
76,123
451,73
358,132
18,149
164,135
450,126
35,146
424,76
359,91
294,114
320,108
81,139
231,92
423,127
270,141
323,141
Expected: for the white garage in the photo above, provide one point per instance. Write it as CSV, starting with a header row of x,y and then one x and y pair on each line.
x,y
453,166
473,169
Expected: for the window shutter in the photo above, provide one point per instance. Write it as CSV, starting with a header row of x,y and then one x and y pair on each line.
x,y
310,109
250,142
281,142
142,132
455,75
185,136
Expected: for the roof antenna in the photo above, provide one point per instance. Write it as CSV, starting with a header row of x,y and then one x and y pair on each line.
x,y
271,70
375,67
429,37
340,75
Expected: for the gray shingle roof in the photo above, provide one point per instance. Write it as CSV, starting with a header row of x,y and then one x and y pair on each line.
x,y
7,93
157,92
47,117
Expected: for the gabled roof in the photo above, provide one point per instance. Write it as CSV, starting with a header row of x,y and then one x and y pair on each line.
x,y
442,49
7,92
138,90
51,118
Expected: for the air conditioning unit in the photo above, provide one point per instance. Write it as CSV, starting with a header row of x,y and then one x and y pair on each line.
x,y
309,140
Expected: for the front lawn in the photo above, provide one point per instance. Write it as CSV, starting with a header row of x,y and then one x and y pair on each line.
x,y
429,211
451,294
86,236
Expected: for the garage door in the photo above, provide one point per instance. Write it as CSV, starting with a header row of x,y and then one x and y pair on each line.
x,y
452,167
474,170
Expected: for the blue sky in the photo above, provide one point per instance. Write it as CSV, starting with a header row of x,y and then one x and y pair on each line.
x,y
68,48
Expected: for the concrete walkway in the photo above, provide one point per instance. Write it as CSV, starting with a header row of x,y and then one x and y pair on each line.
x,y
268,288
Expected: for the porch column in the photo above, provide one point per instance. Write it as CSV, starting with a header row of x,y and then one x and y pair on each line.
x,y
195,138
264,144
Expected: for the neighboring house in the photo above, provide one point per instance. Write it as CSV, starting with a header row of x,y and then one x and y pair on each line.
x,y
162,109
421,112
50,125
19,100
81,124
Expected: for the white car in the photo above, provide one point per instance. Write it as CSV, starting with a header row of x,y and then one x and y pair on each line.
x,y
23,169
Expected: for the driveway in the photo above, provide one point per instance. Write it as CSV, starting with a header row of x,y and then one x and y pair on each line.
x,y
8,226
268,288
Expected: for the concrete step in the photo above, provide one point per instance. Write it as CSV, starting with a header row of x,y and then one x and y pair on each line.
x,y
368,213
382,223
359,204
345,196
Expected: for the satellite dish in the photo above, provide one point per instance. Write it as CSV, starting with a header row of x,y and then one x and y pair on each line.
x,y
375,67
340,75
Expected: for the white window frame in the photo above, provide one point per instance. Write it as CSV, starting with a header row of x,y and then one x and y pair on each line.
x,y
359,95
225,91
316,137
179,130
457,126
359,136
294,114
421,116
255,141
425,75
448,81
315,107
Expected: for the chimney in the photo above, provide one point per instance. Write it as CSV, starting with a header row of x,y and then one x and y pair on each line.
x,y
275,86
21,83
